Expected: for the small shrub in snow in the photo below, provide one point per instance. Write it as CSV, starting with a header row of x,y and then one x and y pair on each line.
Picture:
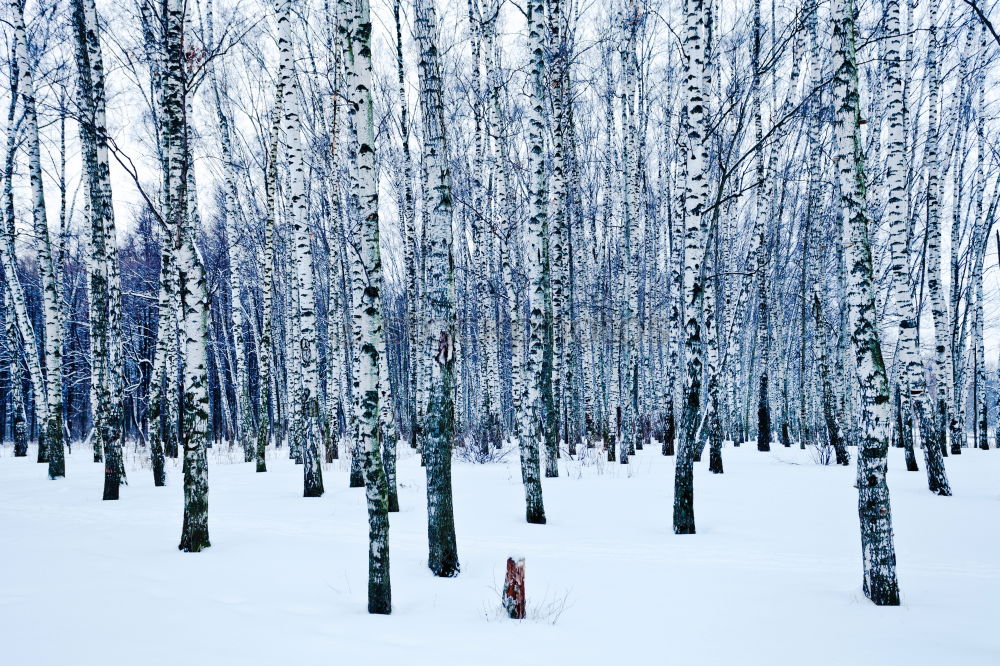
x,y
472,450
822,454
548,611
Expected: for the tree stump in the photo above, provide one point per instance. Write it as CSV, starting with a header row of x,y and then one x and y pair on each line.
x,y
513,589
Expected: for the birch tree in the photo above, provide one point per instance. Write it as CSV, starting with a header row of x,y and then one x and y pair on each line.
x,y
942,360
104,280
358,63
531,430
307,402
910,360
52,443
192,291
878,551
438,329
695,201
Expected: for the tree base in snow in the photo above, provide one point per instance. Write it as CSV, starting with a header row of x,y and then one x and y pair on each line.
x,y
194,540
514,601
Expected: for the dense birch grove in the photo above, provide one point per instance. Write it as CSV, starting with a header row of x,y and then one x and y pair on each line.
x,y
331,230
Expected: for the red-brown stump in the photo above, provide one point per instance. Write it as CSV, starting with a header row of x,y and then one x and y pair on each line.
x,y
513,589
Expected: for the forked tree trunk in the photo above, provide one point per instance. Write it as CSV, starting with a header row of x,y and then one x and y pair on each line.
x,y
194,313
103,276
52,441
878,551
912,367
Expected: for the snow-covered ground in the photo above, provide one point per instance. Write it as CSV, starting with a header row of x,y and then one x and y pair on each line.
x,y
772,577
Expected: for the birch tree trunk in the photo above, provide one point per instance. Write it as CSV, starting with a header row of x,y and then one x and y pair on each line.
x,y
17,312
695,200
878,552
103,276
531,431
761,213
308,417
265,364
439,322
355,280
713,423
163,423
371,354
244,426
631,210
15,412
52,442
912,367
983,222
12,319
193,293
676,295
942,359
558,221
408,215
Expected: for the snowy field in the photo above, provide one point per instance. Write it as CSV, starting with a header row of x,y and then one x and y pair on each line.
x,y
772,577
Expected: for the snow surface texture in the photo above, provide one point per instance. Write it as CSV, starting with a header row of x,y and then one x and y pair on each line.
x,y
772,577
